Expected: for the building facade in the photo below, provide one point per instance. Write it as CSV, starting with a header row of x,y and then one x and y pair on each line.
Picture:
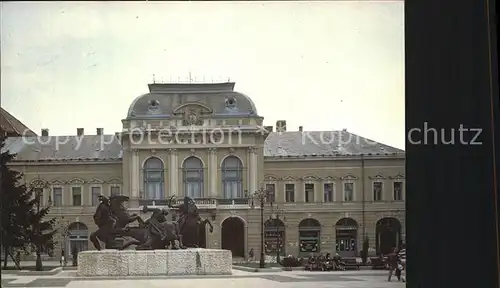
x,y
330,189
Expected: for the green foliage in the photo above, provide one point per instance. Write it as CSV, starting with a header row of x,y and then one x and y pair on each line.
x,y
15,202
364,251
23,217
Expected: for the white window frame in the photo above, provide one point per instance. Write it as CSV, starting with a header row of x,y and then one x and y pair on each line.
x,y
294,191
334,192
114,185
373,190
305,193
52,194
81,194
353,191
403,194
90,191
272,182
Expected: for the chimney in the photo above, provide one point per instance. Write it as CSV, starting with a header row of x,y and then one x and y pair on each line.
x,y
45,132
281,126
79,131
301,128
99,131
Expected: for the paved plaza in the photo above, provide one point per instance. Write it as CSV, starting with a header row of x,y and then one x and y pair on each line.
x,y
279,279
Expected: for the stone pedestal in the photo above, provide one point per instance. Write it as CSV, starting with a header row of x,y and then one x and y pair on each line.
x,y
197,261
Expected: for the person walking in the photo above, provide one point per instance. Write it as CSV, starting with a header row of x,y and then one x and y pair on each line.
x,y
250,255
392,260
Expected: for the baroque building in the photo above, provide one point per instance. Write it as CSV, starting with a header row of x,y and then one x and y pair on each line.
x,y
331,189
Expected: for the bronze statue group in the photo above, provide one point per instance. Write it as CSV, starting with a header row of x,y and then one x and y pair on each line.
x,y
157,232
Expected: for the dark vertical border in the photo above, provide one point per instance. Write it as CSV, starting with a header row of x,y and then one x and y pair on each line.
x,y
451,217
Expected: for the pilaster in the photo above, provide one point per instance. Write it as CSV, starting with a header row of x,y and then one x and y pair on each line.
x,y
212,172
252,167
135,174
173,155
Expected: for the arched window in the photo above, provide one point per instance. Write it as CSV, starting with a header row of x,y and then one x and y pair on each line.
x,y
232,177
193,177
153,179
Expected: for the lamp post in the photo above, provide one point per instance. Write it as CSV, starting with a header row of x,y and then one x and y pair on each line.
x,y
276,215
261,196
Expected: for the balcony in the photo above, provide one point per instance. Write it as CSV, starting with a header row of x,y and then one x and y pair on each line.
x,y
202,203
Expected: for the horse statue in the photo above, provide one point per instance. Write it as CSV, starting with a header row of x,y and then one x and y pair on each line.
x,y
111,218
190,221
157,233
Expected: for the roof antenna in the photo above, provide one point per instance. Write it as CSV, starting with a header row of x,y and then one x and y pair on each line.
x,y
154,79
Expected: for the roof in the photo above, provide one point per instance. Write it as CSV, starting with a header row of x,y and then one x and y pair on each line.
x,y
168,97
11,125
108,147
323,143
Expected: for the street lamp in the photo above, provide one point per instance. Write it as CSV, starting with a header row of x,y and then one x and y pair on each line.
x,y
275,216
261,196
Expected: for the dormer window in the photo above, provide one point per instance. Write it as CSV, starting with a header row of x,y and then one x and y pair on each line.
x,y
231,103
154,106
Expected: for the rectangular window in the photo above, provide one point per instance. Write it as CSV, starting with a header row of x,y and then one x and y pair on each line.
x,y
115,190
271,192
57,195
77,196
377,191
309,192
290,192
96,192
328,192
348,192
398,191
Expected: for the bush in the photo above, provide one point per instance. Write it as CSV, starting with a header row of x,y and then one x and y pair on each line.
x,y
290,261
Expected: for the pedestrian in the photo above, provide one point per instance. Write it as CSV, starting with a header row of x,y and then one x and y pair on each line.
x,y
392,260
250,255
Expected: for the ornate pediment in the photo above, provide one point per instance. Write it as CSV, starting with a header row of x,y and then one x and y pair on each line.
x,y
114,180
398,176
57,182
270,178
289,178
310,178
76,181
349,177
379,176
329,178
192,113
96,181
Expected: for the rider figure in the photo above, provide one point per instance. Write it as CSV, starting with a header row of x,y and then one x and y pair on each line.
x,y
157,235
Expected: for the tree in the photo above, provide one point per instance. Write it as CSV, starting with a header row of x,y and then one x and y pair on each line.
x,y
15,206
39,233
364,252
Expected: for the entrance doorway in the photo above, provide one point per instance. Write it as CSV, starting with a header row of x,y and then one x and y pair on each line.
x,y
388,235
233,236
78,236
274,237
309,237
346,236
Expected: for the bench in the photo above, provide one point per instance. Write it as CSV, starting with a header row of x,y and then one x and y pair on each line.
x,y
377,263
350,263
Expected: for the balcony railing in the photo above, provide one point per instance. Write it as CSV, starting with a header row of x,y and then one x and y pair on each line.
x,y
203,203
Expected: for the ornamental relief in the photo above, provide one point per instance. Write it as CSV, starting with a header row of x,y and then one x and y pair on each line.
x,y
192,113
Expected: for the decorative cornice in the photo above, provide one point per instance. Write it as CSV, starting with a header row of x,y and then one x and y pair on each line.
x,y
310,178
76,181
96,181
114,180
329,178
270,178
379,176
289,178
57,182
38,183
349,177
398,176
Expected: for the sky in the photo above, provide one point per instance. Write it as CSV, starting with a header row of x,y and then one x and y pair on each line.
x,y
321,65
